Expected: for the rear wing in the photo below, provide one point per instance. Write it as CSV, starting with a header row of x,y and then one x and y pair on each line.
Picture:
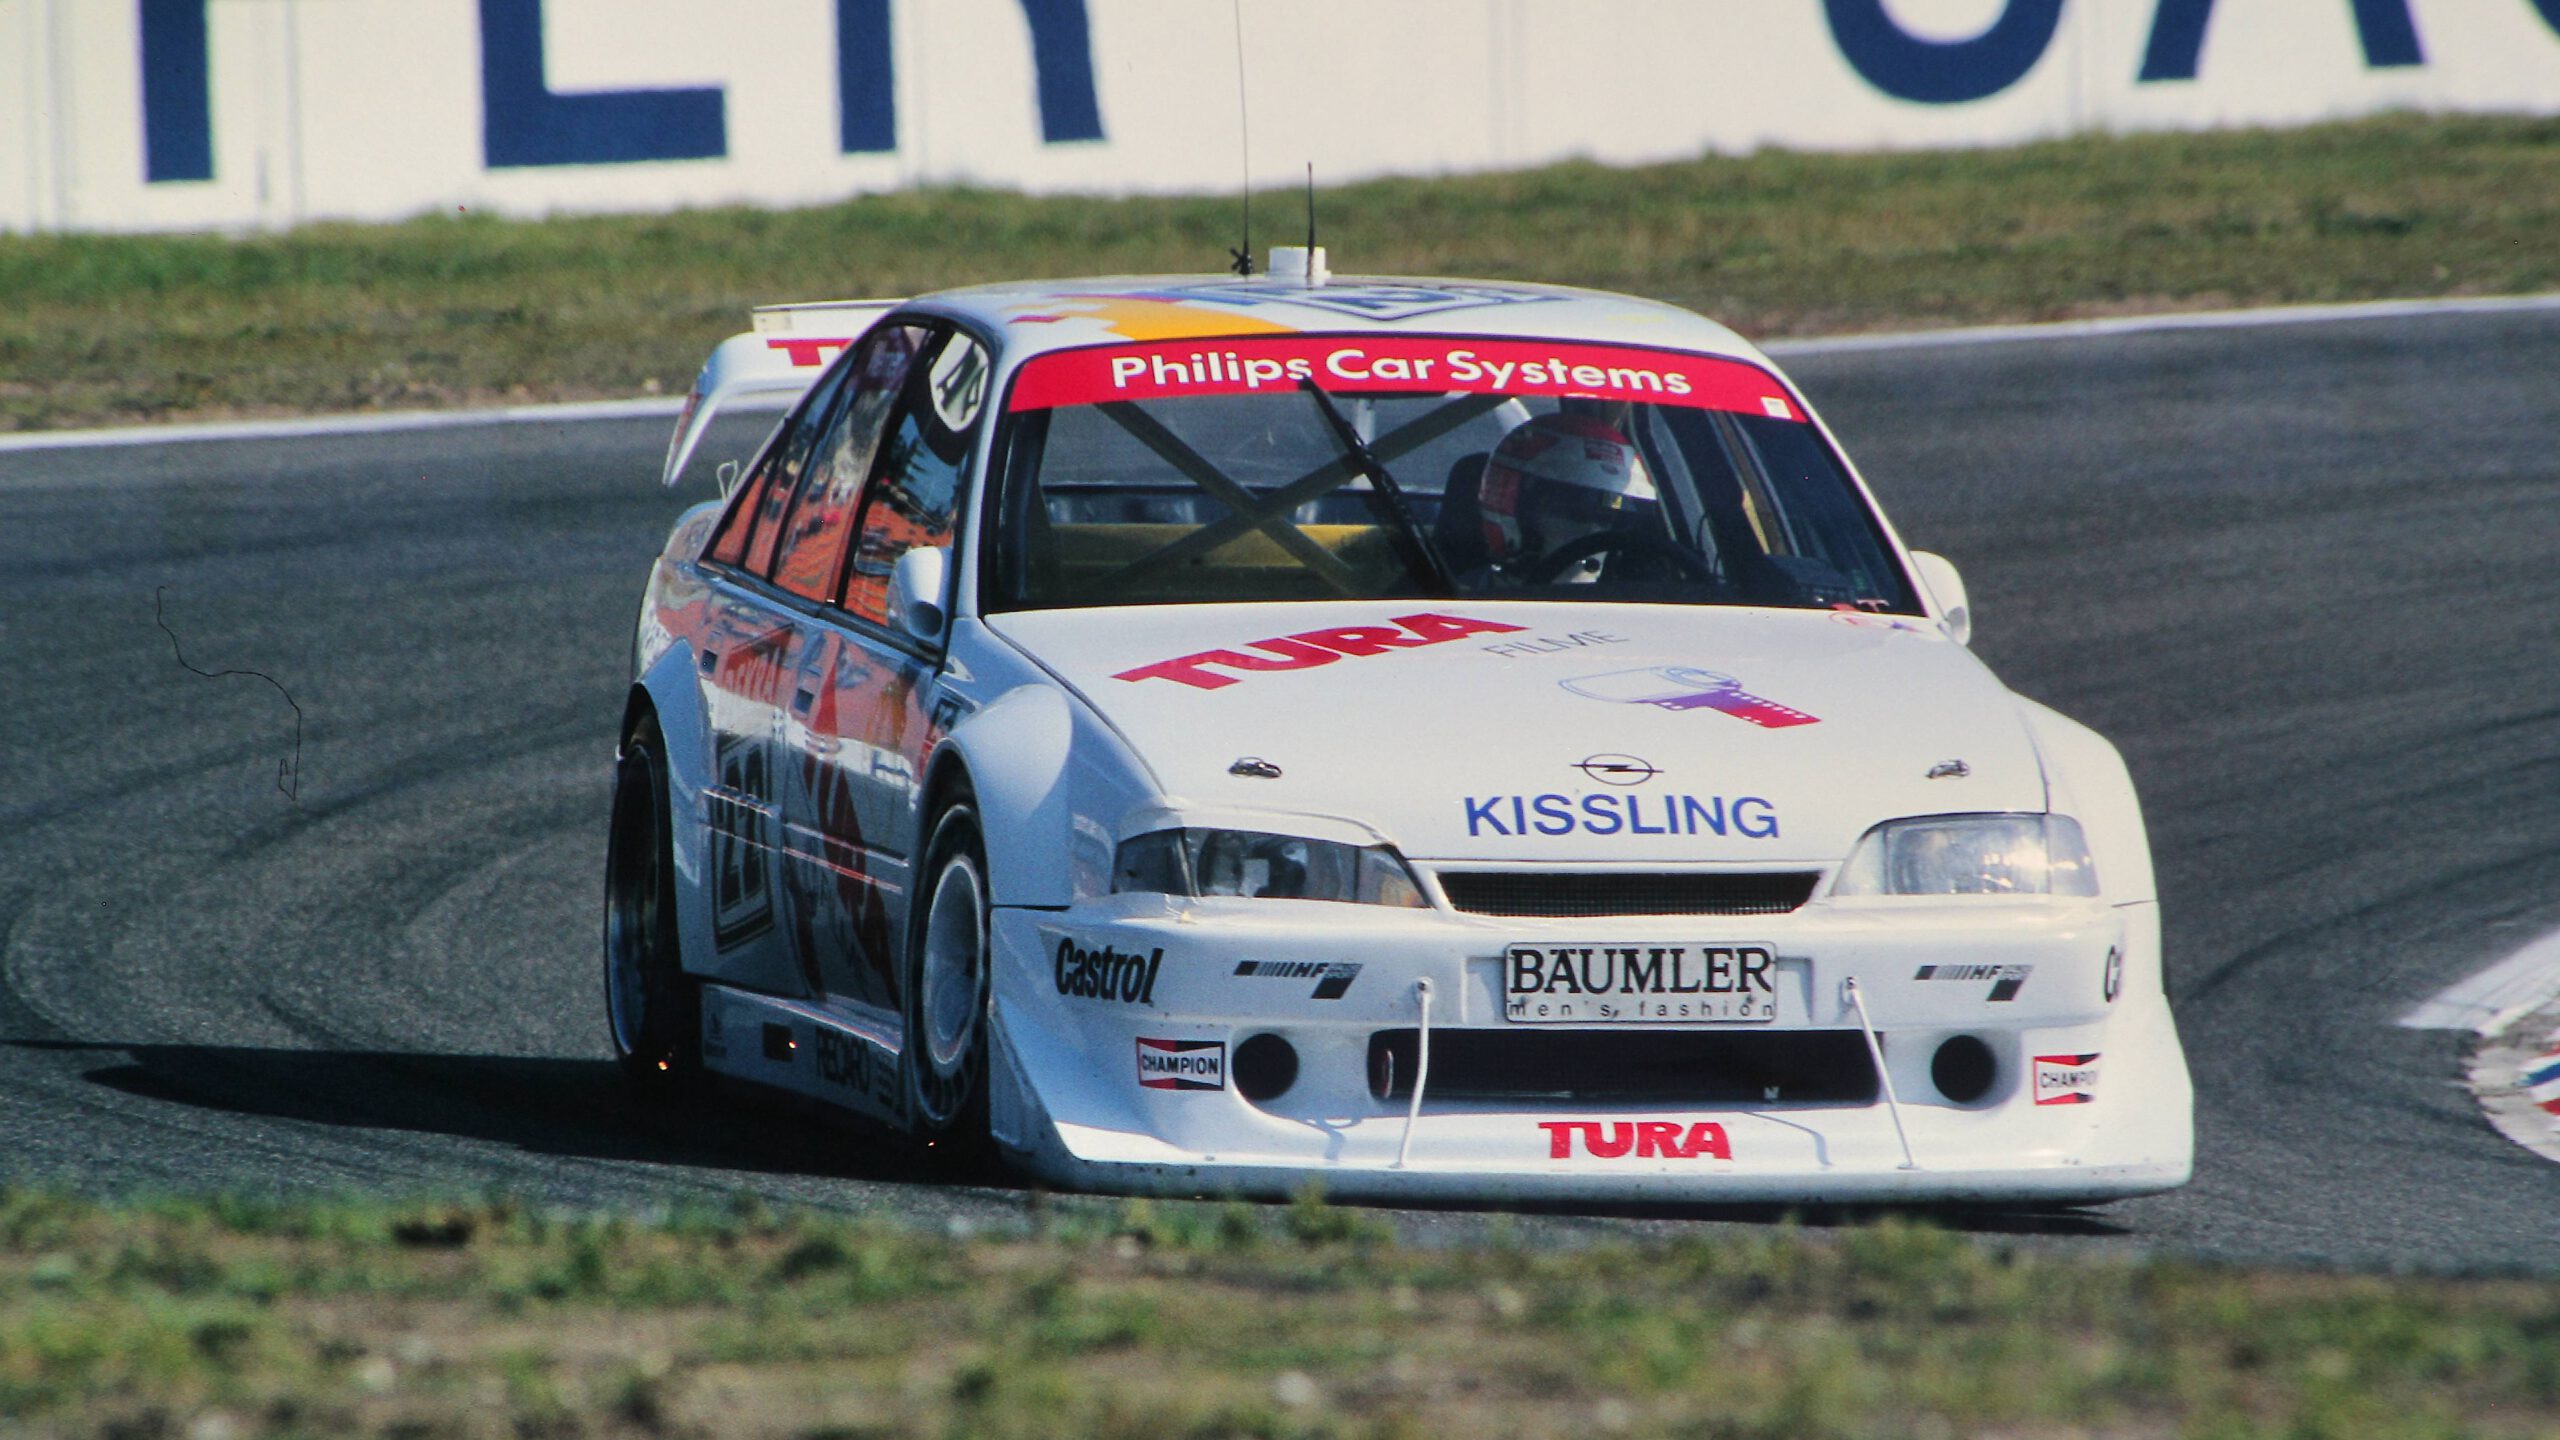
x,y
776,361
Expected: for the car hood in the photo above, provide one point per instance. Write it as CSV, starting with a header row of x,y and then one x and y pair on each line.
x,y
1478,731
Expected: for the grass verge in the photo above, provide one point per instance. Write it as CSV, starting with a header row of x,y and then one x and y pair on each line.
x,y
219,1318
449,310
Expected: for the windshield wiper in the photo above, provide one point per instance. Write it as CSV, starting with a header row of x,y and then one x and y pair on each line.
x,y
1412,542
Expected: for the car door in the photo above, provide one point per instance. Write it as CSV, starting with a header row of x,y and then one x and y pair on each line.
x,y
872,687
743,660
834,902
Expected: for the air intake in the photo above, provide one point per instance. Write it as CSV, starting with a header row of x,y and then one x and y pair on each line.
x,y
1619,892
1666,1067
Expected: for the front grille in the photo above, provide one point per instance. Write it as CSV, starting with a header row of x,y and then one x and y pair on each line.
x,y
1619,892
1701,1067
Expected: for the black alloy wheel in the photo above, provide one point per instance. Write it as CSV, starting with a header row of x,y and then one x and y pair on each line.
x,y
944,1057
652,1008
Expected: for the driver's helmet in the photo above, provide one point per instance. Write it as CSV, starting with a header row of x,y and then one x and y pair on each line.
x,y
1558,478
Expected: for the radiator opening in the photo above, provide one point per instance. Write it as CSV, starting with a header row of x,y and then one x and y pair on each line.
x,y
1704,1067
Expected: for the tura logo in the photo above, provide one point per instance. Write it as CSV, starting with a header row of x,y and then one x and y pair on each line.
x,y
1310,648
1747,816
2066,1079
1686,687
1642,1139
1182,1064
1616,769
1107,974
1333,977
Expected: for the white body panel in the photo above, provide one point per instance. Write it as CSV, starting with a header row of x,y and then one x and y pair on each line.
x,y
1512,712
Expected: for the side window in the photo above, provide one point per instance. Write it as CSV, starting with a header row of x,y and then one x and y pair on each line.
x,y
811,550
757,509
729,544
915,499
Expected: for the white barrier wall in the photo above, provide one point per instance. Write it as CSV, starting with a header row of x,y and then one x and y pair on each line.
x,y
187,114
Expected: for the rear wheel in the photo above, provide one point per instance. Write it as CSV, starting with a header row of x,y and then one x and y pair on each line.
x,y
945,1055
653,1009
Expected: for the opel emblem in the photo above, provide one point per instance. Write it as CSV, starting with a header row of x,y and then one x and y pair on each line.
x,y
1617,769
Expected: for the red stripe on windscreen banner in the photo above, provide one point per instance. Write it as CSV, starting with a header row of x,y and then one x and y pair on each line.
x,y
1249,365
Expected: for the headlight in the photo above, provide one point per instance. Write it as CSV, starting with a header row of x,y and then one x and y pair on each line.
x,y
1270,867
1971,855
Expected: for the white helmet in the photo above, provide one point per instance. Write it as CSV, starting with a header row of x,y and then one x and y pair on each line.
x,y
1560,471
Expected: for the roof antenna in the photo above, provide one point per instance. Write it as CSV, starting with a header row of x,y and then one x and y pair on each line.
x,y
1311,207
1242,256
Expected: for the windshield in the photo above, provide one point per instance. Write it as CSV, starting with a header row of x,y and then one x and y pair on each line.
x,y
1314,468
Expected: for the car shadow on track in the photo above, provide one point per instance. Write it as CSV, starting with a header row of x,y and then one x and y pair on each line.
x,y
581,1109
2057,1220
558,1107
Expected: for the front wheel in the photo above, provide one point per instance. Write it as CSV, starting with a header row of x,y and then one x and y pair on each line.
x,y
652,1008
945,1055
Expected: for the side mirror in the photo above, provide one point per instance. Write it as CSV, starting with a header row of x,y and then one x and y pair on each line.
x,y
1946,587
915,592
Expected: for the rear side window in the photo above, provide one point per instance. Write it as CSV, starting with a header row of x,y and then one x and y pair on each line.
x,y
915,497
812,548
755,513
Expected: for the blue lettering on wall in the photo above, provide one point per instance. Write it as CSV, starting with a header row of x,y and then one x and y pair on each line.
x,y
525,124
2390,38
866,80
2549,10
1942,72
177,93
1062,54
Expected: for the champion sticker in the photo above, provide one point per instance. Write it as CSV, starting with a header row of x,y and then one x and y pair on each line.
x,y
2066,1079
1182,1064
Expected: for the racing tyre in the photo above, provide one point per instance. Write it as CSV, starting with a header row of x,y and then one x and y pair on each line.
x,y
945,1055
652,1008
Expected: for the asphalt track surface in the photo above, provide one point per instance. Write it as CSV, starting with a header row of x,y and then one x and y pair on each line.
x,y
2308,576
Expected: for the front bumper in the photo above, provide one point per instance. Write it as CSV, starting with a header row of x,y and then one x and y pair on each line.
x,y
1121,1030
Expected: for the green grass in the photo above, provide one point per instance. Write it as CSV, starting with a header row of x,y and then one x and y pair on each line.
x,y
458,309
213,1317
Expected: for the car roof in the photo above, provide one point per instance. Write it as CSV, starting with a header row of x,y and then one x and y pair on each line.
x,y
1034,317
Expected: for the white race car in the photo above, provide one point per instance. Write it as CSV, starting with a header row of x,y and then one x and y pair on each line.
x,y
1201,734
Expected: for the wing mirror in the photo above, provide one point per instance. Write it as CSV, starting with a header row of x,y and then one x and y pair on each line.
x,y
1946,587
915,592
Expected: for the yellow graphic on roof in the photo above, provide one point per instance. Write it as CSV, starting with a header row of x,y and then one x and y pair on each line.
x,y
1137,317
